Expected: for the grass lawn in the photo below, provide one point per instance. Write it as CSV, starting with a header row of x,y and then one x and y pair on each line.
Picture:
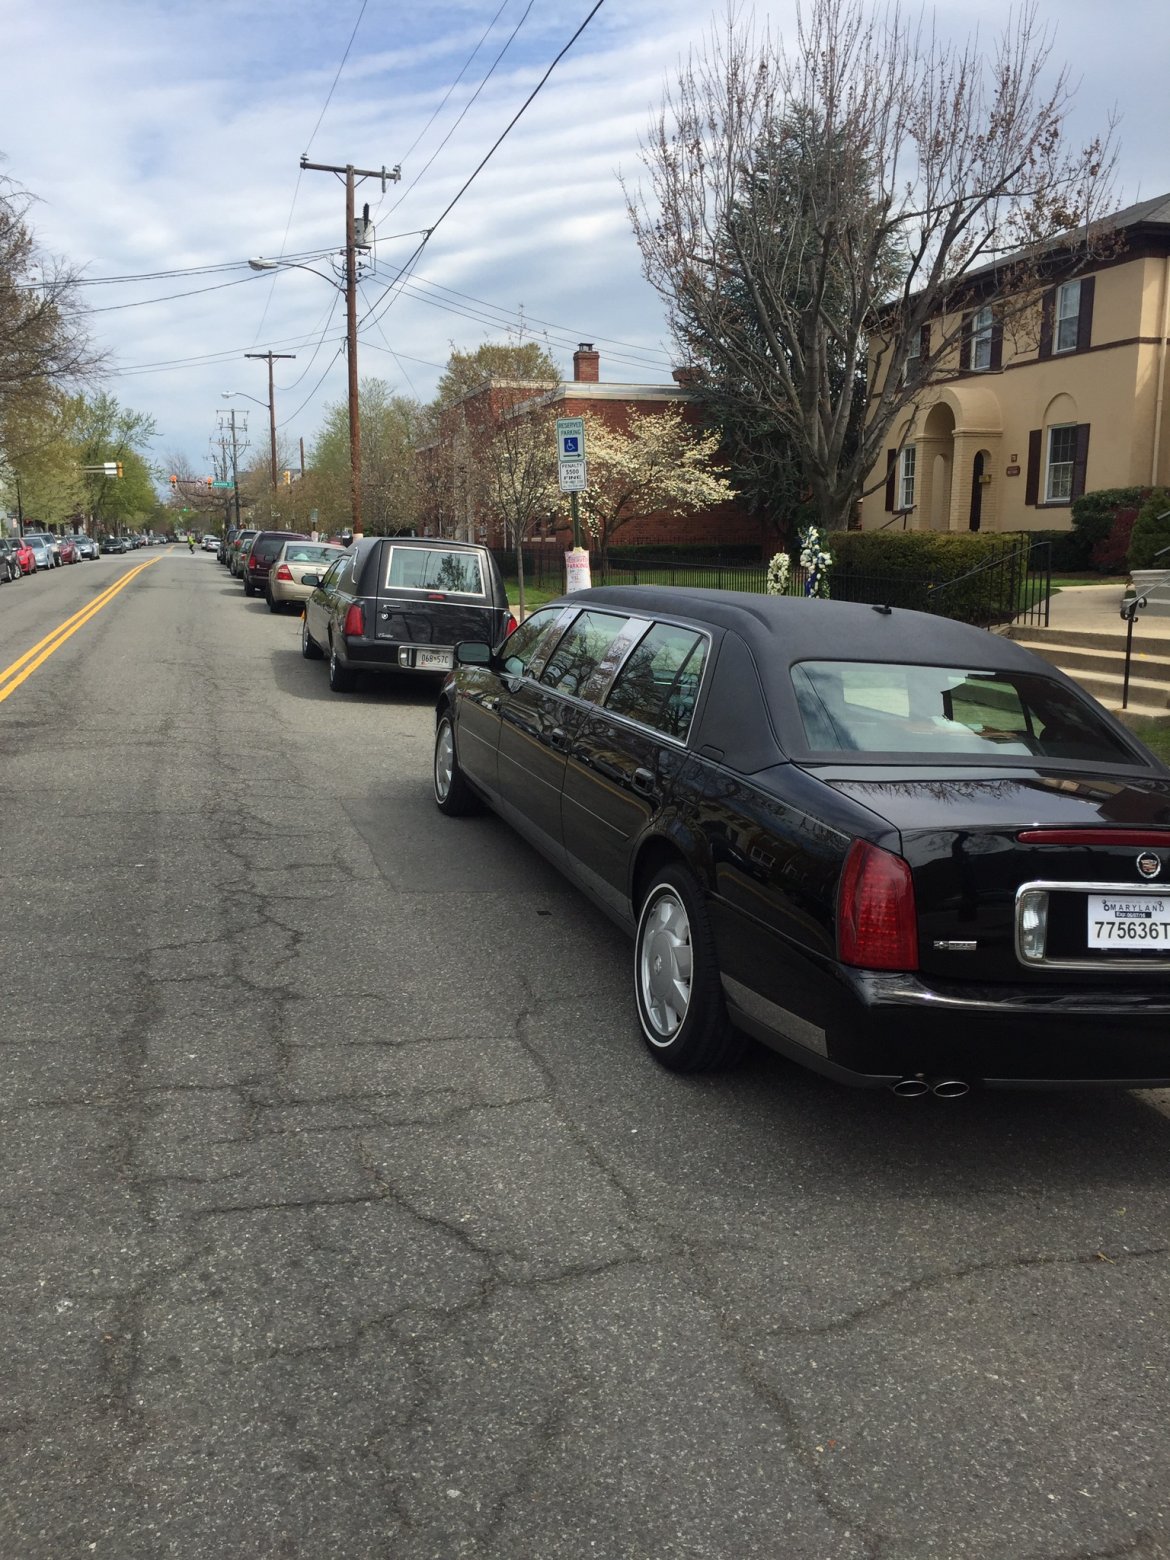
x,y
534,595
1156,737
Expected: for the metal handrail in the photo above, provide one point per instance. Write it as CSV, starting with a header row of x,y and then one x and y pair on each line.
x,y
1129,611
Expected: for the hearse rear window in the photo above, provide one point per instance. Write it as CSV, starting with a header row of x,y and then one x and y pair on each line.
x,y
874,707
435,568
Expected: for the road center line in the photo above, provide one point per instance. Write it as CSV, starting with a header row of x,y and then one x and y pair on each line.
x,y
12,676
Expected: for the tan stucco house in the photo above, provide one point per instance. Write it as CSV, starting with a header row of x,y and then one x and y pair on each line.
x,y
1016,422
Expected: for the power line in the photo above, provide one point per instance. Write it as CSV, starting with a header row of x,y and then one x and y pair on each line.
x,y
466,107
144,303
336,78
284,422
491,150
462,72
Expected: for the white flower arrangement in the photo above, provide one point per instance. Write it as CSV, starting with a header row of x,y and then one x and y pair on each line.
x,y
816,561
776,581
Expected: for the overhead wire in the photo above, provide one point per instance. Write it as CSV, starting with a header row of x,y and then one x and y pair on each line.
x,y
482,164
466,107
462,72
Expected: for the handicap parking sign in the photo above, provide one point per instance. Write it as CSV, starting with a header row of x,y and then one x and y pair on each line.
x,y
570,438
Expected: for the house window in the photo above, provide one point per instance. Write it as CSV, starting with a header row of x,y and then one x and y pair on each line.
x,y
906,482
982,329
913,358
1062,449
1068,316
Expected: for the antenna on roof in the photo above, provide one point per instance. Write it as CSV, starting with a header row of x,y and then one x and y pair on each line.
x,y
885,611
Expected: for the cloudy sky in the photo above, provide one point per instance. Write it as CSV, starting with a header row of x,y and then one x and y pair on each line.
x,y
165,135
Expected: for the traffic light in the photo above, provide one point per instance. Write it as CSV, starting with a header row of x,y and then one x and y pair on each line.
x,y
119,468
288,479
208,480
174,480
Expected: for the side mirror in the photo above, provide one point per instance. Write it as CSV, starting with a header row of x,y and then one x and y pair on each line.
x,y
472,653
311,579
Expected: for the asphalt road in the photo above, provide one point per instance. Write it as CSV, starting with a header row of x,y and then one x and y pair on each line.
x,y
343,1214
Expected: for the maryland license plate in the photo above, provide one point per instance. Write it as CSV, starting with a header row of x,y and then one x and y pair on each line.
x,y
1129,921
432,660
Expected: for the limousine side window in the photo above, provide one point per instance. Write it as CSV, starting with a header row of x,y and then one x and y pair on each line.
x,y
575,659
520,646
659,683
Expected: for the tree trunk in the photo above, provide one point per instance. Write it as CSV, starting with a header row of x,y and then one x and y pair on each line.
x,y
520,572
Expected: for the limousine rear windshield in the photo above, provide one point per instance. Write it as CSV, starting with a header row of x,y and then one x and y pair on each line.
x,y
875,707
435,568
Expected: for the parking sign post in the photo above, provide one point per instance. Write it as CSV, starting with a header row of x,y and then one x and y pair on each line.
x,y
572,478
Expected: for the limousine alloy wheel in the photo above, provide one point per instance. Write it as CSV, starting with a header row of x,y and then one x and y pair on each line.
x,y
676,978
453,795
341,679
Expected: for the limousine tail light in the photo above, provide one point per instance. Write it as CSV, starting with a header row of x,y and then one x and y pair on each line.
x,y
510,626
877,927
284,572
355,622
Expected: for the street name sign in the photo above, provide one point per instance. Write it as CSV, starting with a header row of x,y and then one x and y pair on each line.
x,y
223,484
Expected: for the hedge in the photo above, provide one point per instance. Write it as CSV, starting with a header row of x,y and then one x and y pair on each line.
x,y
901,570
1151,534
1102,520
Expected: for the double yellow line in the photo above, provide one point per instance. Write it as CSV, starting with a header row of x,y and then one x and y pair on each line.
x,y
12,676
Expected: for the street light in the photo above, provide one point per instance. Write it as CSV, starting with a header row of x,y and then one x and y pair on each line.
x,y
348,286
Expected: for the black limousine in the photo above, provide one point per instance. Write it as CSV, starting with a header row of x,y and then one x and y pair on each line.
x,y
898,849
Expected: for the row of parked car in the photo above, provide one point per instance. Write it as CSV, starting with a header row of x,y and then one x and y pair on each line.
x,y
21,555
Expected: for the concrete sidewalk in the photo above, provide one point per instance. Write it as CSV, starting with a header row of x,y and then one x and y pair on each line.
x,y
1096,609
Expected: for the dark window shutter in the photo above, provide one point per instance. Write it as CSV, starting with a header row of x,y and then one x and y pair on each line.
x,y
1047,319
1032,480
891,476
1080,460
965,343
924,341
1085,318
997,344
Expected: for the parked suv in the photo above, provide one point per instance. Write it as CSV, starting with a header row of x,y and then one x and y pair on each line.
x,y
258,559
397,604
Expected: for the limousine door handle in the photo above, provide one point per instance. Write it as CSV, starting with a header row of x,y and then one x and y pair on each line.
x,y
490,704
643,781
559,738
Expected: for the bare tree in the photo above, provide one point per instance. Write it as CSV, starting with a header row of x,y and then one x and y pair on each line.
x,y
810,209
44,345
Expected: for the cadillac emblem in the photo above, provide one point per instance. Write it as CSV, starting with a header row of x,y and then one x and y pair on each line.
x,y
1148,864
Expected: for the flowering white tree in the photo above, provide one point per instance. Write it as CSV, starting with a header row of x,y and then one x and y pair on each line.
x,y
657,465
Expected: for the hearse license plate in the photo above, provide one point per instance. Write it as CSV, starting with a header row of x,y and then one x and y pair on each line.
x,y
432,660
1129,921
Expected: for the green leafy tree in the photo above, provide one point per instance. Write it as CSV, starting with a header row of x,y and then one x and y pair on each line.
x,y
526,362
391,428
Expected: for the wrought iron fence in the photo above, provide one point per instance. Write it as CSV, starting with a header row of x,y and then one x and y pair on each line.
x,y
1013,585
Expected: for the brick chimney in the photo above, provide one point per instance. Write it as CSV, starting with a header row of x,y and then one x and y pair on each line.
x,y
586,364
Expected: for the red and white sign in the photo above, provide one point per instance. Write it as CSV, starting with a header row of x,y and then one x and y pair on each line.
x,y
577,570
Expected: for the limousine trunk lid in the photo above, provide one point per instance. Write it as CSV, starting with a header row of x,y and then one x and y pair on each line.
x,y
1032,875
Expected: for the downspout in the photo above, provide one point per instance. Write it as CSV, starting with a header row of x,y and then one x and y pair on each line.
x,y
1160,397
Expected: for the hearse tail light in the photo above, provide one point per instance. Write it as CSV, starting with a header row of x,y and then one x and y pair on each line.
x,y
284,572
355,622
877,928
1154,839
510,626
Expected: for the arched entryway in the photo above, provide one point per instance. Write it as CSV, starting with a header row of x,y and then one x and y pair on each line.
x,y
937,453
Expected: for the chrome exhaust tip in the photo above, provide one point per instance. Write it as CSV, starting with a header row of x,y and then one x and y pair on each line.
x,y
910,1088
950,1088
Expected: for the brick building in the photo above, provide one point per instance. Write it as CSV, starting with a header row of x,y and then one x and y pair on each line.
x,y
456,509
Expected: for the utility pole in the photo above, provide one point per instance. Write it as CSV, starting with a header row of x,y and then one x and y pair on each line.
x,y
271,357
352,245
236,458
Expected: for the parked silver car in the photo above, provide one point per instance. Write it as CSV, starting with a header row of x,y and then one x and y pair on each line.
x,y
42,546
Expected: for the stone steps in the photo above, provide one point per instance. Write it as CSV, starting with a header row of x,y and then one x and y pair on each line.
x,y
1096,660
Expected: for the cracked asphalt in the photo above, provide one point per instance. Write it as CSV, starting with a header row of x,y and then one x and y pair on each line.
x,y
344,1215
